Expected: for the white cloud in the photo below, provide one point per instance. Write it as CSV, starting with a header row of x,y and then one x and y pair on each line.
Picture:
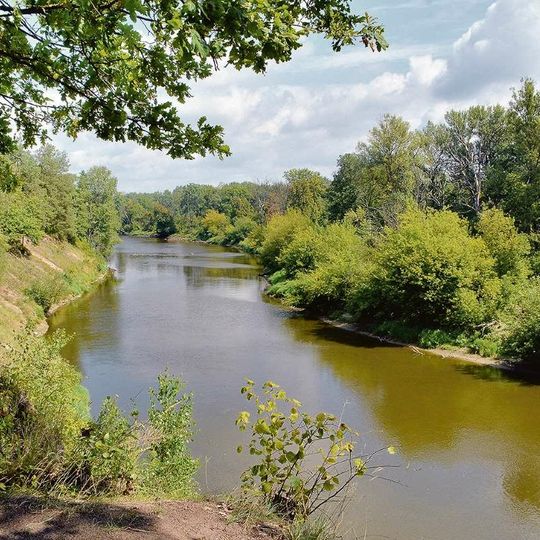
x,y
317,107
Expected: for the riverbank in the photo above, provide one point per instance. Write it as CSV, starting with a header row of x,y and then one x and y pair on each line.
x,y
458,354
36,284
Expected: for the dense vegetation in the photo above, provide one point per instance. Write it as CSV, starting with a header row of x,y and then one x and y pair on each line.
x,y
39,196
429,235
49,443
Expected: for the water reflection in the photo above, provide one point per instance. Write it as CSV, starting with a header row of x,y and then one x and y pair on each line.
x,y
468,440
431,406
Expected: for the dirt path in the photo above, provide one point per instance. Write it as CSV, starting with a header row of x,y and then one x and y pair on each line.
x,y
167,520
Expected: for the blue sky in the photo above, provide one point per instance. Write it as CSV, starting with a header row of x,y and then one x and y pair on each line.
x,y
443,54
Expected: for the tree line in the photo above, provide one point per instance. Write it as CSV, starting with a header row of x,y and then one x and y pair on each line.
x,y
39,196
428,235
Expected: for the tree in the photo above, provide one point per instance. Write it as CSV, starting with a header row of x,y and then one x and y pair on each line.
x,y
473,138
215,225
307,193
508,247
98,220
344,190
20,220
58,187
380,176
111,61
164,221
430,271
434,188
514,179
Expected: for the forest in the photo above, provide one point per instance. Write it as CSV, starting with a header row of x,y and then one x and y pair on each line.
x,y
429,236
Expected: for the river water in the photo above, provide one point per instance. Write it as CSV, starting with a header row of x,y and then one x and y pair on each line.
x,y
467,436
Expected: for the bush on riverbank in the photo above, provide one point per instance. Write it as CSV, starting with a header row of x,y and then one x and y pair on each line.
x,y
431,279
49,444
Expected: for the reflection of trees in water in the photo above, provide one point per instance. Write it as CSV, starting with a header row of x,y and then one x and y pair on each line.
x,y
79,320
202,276
429,404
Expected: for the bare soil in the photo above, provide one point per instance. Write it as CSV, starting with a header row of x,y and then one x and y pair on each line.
x,y
28,518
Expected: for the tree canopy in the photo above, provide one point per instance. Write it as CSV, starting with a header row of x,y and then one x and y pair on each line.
x,y
120,68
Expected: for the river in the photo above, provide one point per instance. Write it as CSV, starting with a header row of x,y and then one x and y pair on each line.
x,y
467,436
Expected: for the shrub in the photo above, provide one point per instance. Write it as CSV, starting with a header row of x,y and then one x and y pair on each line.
x,y
508,247
42,410
215,226
431,339
430,270
521,337
169,468
341,262
47,292
398,330
253,241
49,443
243,227
105,458
485,346
302,251
280,231
303,461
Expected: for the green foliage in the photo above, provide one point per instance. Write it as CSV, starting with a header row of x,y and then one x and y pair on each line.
x,y
521,338
49,443
403,332
434,338
280,231
513,182
318,528
47,292
301,252
169,467
430,270
20,219
43,408
135,54
98,220
303,461
244,228
471,142
509,248
215,226
105,457
307,193
340,261
485,346
55,187
164,221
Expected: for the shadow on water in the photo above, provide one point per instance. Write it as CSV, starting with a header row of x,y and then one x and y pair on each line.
x,y
487,373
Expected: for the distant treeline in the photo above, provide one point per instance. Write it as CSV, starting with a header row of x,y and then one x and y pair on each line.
x,y
39,196
428,235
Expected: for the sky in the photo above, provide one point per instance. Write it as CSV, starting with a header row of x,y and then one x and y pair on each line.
x,y
444,54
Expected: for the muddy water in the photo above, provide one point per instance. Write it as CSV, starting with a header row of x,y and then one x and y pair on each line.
x,y
468,437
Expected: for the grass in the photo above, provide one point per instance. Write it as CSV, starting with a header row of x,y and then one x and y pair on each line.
x,y
72,267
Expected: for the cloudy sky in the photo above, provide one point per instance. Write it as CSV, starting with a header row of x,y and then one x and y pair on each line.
x,y
443,54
